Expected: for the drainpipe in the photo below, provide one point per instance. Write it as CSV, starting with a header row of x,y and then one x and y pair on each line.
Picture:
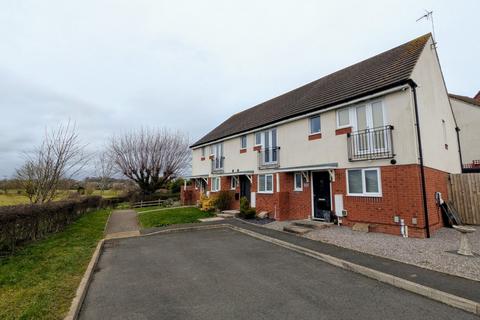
x,y
413,85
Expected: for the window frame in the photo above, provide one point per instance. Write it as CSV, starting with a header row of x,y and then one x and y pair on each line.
x,y
364,184
233,183
319,124
258,183
203,152
258,134
295,187
350,120
213,184
243,139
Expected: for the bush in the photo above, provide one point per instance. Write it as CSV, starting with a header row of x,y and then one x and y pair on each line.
x,y
246,211
223,200
207,203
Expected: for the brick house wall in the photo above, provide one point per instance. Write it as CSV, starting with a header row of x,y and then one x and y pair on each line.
x,y
401,196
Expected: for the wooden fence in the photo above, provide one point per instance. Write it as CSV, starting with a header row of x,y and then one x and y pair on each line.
x,y
464,192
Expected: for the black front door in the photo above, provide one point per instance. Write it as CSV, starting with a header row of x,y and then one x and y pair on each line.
x,y
321,196
245,187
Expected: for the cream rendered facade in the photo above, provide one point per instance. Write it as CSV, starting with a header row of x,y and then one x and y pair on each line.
x,y
468,117
437,124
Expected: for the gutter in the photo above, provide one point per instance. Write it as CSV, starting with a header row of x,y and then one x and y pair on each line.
x,y
413,85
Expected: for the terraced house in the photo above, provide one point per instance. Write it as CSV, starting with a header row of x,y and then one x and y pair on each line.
x,y
372,143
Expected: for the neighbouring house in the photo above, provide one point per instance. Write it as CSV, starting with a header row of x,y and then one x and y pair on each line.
x,y
372,143
467,115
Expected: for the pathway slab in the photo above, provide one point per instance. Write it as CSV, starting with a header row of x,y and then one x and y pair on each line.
x,y
122,221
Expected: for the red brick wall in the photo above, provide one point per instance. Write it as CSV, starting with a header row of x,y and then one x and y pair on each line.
x,y
401,196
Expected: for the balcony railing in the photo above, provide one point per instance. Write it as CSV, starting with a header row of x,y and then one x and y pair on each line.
x,y
218,164
269,158
370,144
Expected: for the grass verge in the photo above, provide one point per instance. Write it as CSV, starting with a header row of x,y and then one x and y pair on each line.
x,y
171,216
40,280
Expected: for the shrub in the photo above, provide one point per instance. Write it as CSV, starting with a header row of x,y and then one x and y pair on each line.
x,y
207,203
24,223
223,200
246,211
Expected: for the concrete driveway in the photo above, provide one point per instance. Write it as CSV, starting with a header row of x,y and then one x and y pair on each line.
x,y
224,274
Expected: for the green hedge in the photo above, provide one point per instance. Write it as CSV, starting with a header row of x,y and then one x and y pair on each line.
x,y
23,223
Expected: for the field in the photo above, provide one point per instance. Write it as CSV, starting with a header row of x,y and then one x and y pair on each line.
x,y
14,197
40,280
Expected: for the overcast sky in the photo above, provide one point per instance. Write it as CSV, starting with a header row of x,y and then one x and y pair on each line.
x,y
115,65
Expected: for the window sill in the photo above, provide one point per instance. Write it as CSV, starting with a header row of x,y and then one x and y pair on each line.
x,y
243,150
298,190
363,195
202,159
265,192
315,136
257,148
343,130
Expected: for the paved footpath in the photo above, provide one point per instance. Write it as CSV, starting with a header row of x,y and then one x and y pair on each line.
x,y
122,222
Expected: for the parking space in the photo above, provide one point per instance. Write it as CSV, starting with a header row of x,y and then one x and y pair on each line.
x,y
224,274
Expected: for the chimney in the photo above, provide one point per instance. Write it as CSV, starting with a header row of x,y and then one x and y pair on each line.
x,y
477,96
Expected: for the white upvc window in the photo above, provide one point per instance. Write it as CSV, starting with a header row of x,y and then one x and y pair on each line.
x,y
217,153
265,183
203,152
298,181
233,183
243,142
344,117
315,126
216,184
365,182
258,138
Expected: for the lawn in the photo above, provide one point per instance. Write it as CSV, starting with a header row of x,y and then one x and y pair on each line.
x,y
165,217
40,280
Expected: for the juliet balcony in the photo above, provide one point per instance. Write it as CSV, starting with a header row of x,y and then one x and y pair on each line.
x,y
269,158
371,144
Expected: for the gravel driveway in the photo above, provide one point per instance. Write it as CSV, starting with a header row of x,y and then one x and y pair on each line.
x,y
436,253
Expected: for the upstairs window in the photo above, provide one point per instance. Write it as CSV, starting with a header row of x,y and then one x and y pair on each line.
x,y
258,138
243,142
315,124
203,152
343,118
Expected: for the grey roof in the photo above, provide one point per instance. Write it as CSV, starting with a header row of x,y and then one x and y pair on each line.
x,y
383,71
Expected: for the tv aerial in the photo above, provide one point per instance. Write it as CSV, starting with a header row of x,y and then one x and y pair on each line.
x,y
429,16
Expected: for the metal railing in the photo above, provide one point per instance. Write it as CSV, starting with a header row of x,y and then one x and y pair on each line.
x,y
218,164
269,158
370,144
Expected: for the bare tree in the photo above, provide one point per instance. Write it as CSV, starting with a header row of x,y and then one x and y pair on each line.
x,y
60,156
105,169
151,158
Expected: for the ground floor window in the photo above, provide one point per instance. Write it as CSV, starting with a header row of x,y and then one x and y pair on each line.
x,y
298,182
364,182
215,184
265,183
233,183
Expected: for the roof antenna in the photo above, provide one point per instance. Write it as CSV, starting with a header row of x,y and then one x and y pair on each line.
x,y
429,16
